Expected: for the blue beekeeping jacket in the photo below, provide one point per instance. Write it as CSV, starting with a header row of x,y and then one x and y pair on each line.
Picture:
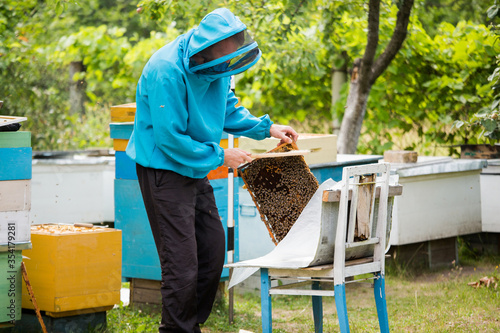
x,y
184,107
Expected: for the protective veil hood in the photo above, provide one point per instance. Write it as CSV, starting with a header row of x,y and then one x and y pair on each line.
x,y
215,27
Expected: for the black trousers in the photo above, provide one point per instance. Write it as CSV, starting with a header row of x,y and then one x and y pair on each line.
x,y
190,240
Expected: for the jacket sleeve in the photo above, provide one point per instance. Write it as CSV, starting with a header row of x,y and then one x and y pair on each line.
x,y
239,121
169,115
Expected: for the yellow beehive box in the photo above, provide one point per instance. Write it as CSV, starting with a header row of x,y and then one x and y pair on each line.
x,y
123,113
73,270
126,112
121,144
323,146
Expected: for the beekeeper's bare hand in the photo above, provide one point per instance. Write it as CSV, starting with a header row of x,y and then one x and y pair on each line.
x,y
285,133
234,157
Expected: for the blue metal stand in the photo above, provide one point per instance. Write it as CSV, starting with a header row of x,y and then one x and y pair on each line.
x,y
265,301
341,304
317,303
379,293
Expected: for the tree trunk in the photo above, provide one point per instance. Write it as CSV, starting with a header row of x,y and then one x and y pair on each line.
x,y
339,77
367,70
354,114
76,89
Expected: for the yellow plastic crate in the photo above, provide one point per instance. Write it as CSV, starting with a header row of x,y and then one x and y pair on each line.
x,y
73,270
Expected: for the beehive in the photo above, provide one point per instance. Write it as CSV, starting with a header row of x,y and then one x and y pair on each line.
x,y
280,187
324,146
73,270
140,258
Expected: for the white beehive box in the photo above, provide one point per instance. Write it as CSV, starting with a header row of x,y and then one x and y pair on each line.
x,y
441,199
490,197
72,190
324,146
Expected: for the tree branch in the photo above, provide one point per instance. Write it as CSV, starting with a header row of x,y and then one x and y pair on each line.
x,y
292,16
397,39
371,45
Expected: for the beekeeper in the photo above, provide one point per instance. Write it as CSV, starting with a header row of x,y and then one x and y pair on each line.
x,y
184,103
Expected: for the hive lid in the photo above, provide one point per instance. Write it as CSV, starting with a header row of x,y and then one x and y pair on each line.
x,y
280,187
7,120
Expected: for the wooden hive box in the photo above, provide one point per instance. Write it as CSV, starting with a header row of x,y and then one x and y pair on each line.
x,y
280,187
323,146
74,270
123,113
122,118
15,155
10,282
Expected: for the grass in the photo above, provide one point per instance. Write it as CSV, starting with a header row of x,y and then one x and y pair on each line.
x,y
438,301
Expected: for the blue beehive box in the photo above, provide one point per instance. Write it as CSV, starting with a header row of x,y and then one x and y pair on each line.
x,y
139,256
15,203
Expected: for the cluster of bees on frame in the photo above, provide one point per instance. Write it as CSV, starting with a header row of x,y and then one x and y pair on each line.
x,y
60,229
280,187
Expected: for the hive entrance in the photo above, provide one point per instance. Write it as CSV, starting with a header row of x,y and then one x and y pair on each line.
x,y
280,187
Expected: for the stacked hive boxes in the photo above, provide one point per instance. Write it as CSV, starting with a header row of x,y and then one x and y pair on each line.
x,y
140,259
15,203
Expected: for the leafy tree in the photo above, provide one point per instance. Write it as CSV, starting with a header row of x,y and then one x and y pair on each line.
x,y
487,119
30,85
305,45
35,81
432,82
432,12
367,70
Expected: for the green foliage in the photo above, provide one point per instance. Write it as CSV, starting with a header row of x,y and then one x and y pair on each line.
x,y
432,82
432,12
126,319
486,123
35,49
431,301
487,120
30,86
439,76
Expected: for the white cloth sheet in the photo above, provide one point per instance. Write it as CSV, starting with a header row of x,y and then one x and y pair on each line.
x,y
297,249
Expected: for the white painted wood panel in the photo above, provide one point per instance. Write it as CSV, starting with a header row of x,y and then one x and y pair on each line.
x,y
437,205
15,195
73,191
15,225
490,197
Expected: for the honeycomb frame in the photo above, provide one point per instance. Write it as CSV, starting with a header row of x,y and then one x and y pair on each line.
x,y
280,187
